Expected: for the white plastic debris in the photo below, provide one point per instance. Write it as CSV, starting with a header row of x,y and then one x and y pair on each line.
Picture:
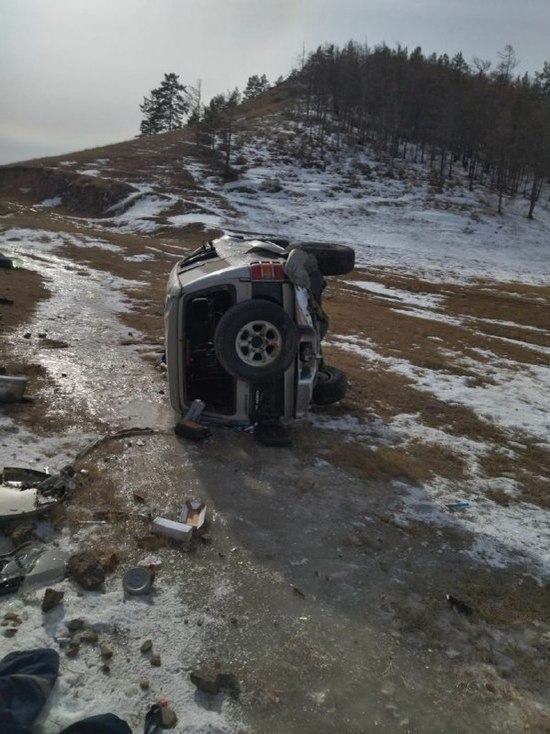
x,y
193,513
48,569
171,529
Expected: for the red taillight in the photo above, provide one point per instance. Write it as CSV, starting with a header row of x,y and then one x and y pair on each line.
x,y
267,271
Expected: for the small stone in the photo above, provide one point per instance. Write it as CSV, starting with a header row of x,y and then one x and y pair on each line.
x,y
146,646
75,624
42,335
205,681
168,717
10,632
21,533
27,335
109,562
105,651
51,599
106,669
144,684
89,635
155,660
86,570
72,649
12,617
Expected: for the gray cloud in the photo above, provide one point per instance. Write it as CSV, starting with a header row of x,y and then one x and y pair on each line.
x,y
73,72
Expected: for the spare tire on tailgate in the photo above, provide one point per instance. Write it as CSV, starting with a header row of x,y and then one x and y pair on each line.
x,y
332,259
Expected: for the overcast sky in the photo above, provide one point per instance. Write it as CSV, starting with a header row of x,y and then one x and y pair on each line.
x,y
73,72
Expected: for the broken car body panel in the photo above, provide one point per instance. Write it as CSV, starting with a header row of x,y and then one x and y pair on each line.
x,y
25,493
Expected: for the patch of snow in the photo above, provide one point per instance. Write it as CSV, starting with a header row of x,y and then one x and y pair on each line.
x,y
208,220
42,240
422,300
526,406
123,624
501,536
53,202
392,223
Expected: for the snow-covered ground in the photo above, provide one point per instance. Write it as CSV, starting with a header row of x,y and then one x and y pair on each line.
x,y
396,225
392,222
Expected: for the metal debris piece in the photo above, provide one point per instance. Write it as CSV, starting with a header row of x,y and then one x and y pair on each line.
x,y
172,529
28,492
48,569
457,505
137,580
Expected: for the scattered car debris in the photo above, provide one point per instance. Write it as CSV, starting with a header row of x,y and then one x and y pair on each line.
x,y
457,505
49,568
195,410
12,388
12,575
31,568
179,531
193,513
28,492
138,580
189,427
124,433
191,430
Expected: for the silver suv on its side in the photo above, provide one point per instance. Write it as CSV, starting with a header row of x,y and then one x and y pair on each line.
x,y
243,329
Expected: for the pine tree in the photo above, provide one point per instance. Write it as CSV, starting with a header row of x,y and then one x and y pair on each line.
x,y
164,109
255,86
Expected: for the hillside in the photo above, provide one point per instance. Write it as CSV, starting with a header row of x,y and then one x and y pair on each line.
x,y
323,585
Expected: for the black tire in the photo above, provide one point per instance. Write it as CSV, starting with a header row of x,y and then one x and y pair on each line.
x,y
256,340
331,386
332,259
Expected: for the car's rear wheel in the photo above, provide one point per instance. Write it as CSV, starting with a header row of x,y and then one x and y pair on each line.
x,y
332,259
256,340
331,386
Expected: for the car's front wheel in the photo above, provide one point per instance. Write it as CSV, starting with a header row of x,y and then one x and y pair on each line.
x,y
256,340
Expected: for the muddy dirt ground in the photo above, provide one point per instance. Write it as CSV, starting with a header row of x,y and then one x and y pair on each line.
x,y
311,585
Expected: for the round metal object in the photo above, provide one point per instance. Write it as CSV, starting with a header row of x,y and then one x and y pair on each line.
x,y
258,343
137,580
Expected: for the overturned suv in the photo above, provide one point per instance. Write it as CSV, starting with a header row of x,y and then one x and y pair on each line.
x,y
243,329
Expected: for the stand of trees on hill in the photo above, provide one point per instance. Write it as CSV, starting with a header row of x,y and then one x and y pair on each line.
x,y
433,109
436,110
164,109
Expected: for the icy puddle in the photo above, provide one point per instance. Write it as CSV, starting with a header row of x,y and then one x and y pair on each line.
x,y
76,336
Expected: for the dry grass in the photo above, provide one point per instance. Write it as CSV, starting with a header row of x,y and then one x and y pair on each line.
x,y
501,598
